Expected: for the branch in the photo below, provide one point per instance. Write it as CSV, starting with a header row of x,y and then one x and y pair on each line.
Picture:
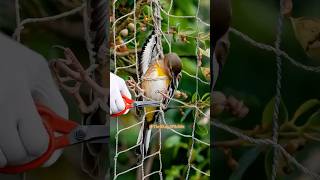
x,y
74,71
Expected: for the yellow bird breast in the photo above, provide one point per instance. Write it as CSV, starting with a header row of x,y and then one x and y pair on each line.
x,y
155,80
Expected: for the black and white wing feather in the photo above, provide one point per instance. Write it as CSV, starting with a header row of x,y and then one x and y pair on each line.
x,y
149,54
171,89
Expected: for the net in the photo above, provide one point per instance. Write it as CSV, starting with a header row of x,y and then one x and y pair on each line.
x,y
158,14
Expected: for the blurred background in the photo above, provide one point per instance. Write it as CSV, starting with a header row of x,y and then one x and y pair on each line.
x,y
249,75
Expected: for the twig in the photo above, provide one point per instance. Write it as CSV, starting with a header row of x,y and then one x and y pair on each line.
x,y
44,19
74,71
126,53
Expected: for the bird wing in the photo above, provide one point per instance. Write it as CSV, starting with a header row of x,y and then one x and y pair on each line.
x,y
149,54
171,88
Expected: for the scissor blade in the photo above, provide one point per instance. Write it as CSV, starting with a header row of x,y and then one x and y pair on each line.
x,y
146,103
91,133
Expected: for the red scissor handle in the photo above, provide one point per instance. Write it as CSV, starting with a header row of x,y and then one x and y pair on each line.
x,y
53,123
128,105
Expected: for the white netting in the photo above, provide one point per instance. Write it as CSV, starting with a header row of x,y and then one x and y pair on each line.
x,y
156,16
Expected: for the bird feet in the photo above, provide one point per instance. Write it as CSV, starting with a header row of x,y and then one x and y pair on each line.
x,y
135,87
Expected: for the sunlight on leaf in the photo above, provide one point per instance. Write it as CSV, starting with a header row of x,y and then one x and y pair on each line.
x,y
172,141
205,52
205,72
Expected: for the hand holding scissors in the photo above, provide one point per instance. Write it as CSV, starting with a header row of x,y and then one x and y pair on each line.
x,y
71,133
129,104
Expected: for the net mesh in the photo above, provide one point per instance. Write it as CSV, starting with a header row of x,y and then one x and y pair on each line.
x,y
157,11
275,49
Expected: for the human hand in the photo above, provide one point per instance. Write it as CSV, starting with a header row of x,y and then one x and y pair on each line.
x,y
25,79
118,88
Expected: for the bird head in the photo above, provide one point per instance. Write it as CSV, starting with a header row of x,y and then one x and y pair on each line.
x,y
173,63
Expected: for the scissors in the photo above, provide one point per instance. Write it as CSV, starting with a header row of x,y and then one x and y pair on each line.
x,y
129,103
70,133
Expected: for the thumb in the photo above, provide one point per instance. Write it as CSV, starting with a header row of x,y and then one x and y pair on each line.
x,y
32,132
46,92
124,89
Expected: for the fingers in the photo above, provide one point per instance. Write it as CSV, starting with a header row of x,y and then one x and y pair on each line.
x,y
11,146
33,134
114,79
120,103
47,93
117,103
3,160
124,89
113,106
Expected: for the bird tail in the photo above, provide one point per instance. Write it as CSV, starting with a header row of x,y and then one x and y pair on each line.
x,y
144,138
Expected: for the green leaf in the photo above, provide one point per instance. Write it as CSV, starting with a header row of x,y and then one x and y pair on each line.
x,y
304,108
147,11
313,121
184,145
185,115
245,161
268,113
175,38
172,141
205,96
169,177
174,172
194,97
205,52
268,161
202,130
199,158
175,151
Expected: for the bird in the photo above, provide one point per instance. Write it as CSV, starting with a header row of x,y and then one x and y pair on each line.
x,y
220,19
159,74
